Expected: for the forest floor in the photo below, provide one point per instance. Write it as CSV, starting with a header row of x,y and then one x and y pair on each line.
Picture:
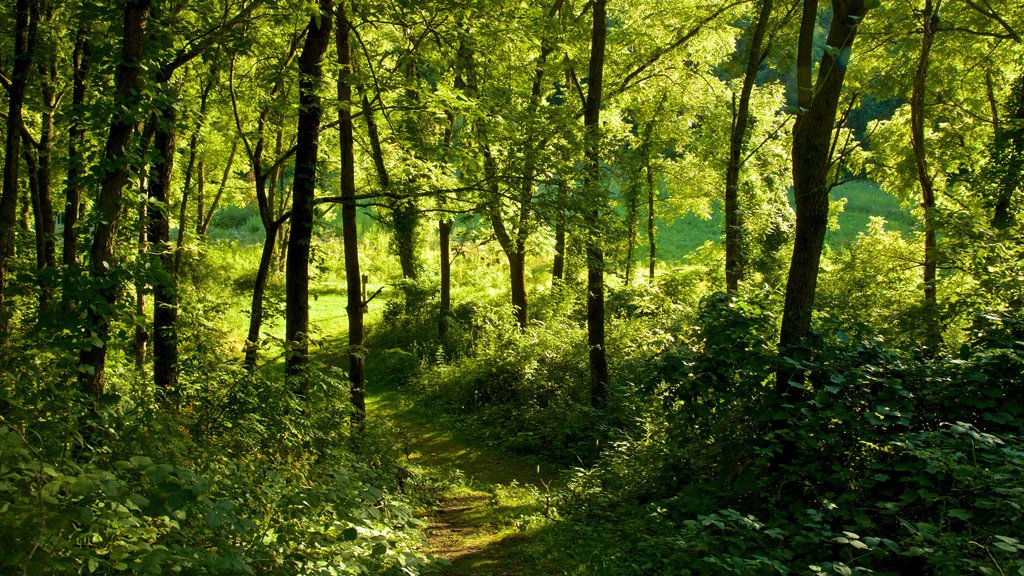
x,y
488,509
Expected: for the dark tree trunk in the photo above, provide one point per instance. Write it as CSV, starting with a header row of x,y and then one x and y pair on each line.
x,y
930,21
733,224
444,229
350,235
26,17
811,137
141,344
652,249
258,292
599,377
93,359
632,214
165,297
517,276
1009,155
76,143
318,34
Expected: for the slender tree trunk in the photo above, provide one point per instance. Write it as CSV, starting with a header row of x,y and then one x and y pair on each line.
x,y
76,144
444,229
811,137
141,344
350,234
652,249
1009,153
930,17
26,19
599,377
318,34
517,276
204,220
92,360
258,292
733,223
165,297
632,214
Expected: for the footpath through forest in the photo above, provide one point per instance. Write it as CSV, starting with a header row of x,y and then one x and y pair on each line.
x,y
488,508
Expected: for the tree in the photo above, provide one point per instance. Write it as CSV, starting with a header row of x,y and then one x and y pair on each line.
x,y
92,359
812,135
314,48
597,198
741,115
25,26
354,305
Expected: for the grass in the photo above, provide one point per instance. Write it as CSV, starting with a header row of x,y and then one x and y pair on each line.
x,y
679,238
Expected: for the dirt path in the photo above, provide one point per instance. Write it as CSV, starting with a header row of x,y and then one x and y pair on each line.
x,y
490,507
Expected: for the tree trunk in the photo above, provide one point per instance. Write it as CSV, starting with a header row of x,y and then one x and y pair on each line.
x,y
204,220
811,137
444,228
1010,155
350,235
304,192
517,278
26,20
930,21
165,297
733,223
92,360
141,344
652,249
258,291
599,377
81,66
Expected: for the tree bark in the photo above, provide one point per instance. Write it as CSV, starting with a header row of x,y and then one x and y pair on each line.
x,y
930,21
350,233
652,248
599,378
811,137
733,222
92,360
318,34
26,19
444,229
81,66
558,266
165,297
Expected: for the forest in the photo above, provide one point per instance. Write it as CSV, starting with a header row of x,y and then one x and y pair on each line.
x,y
500,287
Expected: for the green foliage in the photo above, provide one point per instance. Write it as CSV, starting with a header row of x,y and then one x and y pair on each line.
x,y
232,473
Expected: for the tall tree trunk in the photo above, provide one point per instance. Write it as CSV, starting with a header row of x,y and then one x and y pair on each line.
x,y
652,249
733,224
26,17
141,344
93,359
811,136
930,21
350,234
318,34
81,66
46,223
258,292
1009,154
165,297
596,199
444,229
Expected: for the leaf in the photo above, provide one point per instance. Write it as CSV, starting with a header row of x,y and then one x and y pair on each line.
x,y
349,534
872,4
